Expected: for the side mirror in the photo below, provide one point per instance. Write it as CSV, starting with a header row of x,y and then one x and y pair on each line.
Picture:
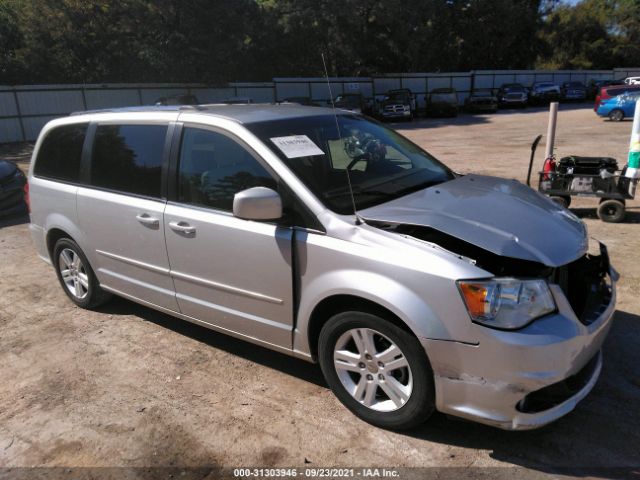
x,y
257,203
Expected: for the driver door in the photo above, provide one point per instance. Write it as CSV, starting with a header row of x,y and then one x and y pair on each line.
x,y
230,273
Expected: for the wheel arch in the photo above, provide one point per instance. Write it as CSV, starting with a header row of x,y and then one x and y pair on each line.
x,y
338,303
53,235
59,226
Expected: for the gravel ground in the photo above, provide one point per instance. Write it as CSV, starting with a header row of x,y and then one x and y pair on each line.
x,y
127,386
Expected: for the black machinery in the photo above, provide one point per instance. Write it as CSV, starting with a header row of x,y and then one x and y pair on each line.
x,y
585,177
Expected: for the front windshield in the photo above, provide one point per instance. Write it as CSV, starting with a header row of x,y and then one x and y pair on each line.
x,y
397,97
482,93
382,164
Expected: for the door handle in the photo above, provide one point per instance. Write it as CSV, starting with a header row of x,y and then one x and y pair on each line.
x,y
182,227
148,220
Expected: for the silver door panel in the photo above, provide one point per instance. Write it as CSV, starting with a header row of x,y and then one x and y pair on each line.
x,y
126,234
232,273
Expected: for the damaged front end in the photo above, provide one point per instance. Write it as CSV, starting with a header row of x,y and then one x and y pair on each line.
x,y
525,377
583,281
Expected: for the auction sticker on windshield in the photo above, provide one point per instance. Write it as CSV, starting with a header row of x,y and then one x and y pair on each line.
x,y
296,146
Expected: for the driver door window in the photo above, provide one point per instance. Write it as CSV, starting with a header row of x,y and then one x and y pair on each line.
x,y
214,167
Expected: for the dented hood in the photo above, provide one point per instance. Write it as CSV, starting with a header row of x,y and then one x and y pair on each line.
x,y
502,216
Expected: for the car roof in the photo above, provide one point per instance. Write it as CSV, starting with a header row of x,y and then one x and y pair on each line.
x,y
241,113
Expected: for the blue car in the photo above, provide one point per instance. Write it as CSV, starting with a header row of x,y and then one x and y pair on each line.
x,y
617,108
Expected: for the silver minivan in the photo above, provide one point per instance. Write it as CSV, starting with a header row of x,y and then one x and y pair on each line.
x,y
331,238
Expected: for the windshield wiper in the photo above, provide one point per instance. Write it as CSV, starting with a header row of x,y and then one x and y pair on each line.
x,y
419,186
378,193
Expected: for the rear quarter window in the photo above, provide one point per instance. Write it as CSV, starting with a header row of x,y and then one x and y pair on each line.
x,y
60,153
128,158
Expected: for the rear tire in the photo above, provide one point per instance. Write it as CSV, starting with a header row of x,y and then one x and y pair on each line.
x,y
377,370
616,115
611,211
563,201
76,276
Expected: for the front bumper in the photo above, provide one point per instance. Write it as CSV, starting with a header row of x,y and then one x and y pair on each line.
x,y
497,381
512,101
400,114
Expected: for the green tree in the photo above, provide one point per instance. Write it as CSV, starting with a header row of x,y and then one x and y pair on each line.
x,y
10,42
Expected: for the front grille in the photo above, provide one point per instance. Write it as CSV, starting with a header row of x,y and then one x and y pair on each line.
x,y
394,108
584,283
552,395
514,96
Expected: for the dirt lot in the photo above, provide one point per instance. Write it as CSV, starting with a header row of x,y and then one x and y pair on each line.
x,y
129,387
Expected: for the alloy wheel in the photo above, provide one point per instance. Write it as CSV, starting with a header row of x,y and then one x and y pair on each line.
x,y
373,369
73,273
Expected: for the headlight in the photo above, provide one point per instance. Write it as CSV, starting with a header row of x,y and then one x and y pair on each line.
x,y
406,108
506,303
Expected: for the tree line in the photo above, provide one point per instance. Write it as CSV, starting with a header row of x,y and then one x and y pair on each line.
x,y
216,41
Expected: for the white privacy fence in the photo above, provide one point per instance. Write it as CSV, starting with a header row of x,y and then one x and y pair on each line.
x,y
25,109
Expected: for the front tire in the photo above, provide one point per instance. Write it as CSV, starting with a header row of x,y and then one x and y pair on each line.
x,y
378,370
76,276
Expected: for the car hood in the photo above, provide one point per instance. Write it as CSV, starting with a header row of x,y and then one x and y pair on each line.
x,y
7,169
502,216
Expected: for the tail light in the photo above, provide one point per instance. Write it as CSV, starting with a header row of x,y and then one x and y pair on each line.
x,y
27,200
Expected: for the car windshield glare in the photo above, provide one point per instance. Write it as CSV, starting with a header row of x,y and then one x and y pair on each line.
x,y
397,97
382,164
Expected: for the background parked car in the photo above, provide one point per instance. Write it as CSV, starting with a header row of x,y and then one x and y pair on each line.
x,y
544,92
595,85
178,100
512,95
620,107
613,91
13,189
481,100
301,101
573,91
442,102
237,100
400,103
632,80
353,102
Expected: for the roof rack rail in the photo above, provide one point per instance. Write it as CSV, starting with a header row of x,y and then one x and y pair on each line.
x,y
139,108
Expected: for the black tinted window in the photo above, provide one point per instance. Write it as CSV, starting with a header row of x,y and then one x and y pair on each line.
x,y
128,158
60,153
213,168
